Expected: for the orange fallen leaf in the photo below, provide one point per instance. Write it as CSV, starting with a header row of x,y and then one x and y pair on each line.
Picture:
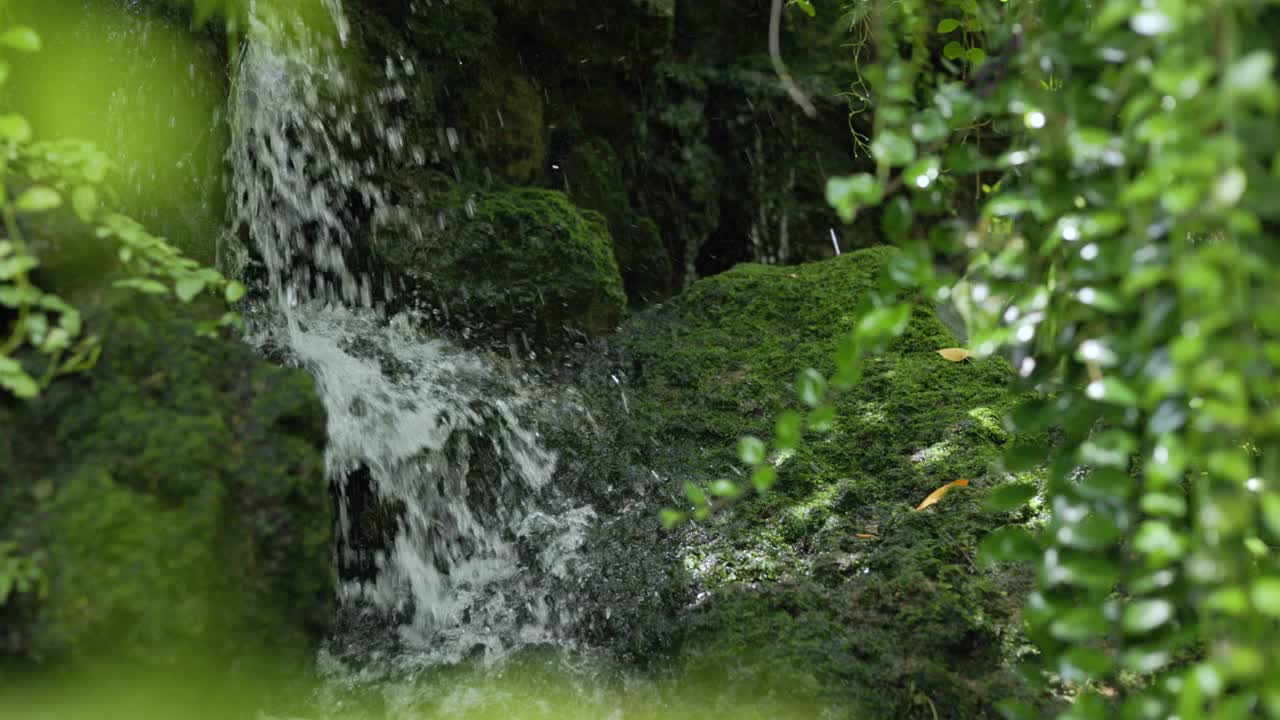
x,y
865,536
955,354
938,494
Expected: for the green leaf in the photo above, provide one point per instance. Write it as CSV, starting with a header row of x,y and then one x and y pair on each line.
x,y
21,38
948,25
15,266
882,324
848,194
811,387
805,6
235,291
1095,532
953,50
1271,512
751,450
1077,624
671,518
19,383
893,148
187,288
1021,457
1143,616
84,200
763,478
1008,497
1112,390
897,219
1082,569
143,285
725,489
14,296
1265,595
975,55
822,419
921,175
38,199
1008,544
14,129
694,494
1082,663
1250,75
786,431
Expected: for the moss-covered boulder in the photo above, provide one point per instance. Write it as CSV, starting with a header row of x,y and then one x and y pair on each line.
x,y
174,499
832,585
522,268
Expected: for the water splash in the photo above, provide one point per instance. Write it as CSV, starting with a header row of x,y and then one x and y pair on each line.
x,y
475,541
483,539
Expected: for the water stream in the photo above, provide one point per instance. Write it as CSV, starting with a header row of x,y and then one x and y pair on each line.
x,y
437,447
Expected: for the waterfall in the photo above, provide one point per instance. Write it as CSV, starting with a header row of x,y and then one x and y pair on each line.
x,y
446,441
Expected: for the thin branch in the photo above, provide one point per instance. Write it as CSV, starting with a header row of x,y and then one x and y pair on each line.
x,y
775,52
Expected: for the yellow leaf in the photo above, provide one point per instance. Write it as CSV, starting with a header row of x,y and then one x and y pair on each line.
x,y
865,536
938,494
955,354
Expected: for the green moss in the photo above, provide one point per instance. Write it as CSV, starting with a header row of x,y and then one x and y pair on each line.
x,y
890,624
522,267
503,122
593,176
177,494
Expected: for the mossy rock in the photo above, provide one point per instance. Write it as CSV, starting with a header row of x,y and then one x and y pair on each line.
x,y
593,177
832,585
175,495
522,268
503,122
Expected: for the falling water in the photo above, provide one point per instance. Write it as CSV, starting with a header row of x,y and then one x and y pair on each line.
x,y
447,441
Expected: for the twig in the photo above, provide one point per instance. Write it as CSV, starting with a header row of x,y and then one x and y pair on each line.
x,y
775,52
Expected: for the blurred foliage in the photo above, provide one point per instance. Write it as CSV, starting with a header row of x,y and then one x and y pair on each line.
x,y
18,574
42,336
1094,187
132,79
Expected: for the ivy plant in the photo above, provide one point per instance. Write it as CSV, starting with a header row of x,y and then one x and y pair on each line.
x,y
1097,191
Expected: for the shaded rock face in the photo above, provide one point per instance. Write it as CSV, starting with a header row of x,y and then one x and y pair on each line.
x,y
832,585
175,499
665,117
